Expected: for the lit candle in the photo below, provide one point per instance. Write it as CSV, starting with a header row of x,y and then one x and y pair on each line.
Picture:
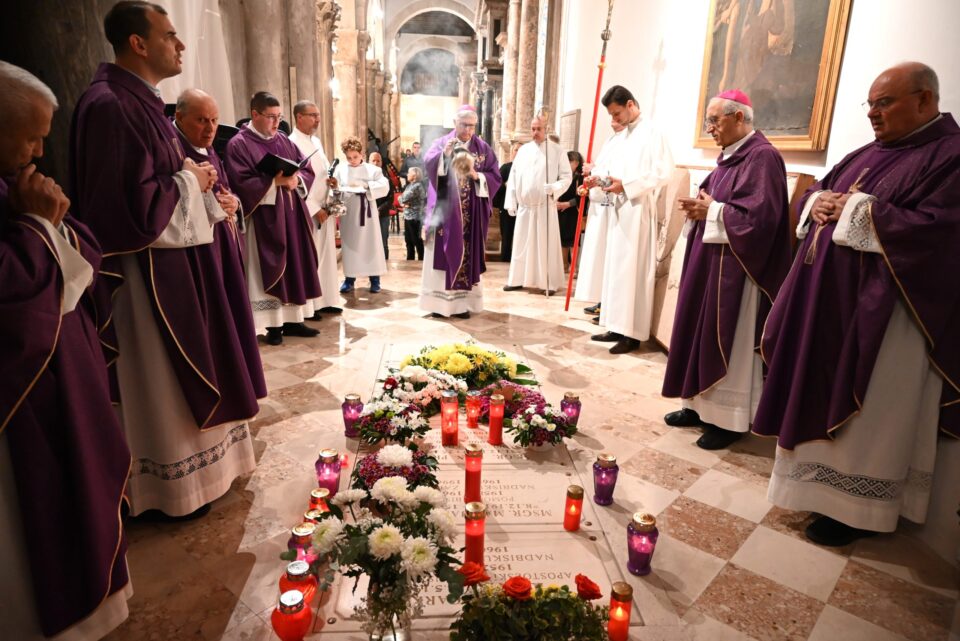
x,y
605,470
449,418
495,437
298,577
621,602
570,405
301,540
573,508
318,499
474,462
291,618
476,515
473,409
352,407
642,535
328,470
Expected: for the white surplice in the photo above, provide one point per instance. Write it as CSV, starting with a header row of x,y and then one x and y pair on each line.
x,y
594,249
536,260
324,235
362,245
644,164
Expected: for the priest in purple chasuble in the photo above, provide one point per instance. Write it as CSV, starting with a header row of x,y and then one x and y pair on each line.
x,y
196,121
862,344
738,253
185,387
61,444
464,174
281,256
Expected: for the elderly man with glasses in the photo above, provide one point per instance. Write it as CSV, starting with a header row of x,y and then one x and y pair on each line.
x,y
861,344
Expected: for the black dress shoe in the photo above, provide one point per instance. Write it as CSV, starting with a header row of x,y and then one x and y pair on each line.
x,y
465,314
607,337
156,516
717,438
683,418
832,533
316,316
625,345
512,288
299,329
274,336
595,320
593,309
435,315
331,310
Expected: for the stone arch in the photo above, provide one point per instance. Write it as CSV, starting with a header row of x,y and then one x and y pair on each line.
x,y
424,42
415,8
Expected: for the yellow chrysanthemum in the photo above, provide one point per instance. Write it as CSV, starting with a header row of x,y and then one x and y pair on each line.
x,y
457,364
511,366
406,361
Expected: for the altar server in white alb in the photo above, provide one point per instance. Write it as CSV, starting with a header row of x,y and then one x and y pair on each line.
x,y
639,169
360,240
532,191
307,118
590,272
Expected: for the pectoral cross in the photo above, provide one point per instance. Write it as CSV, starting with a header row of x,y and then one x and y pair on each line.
x,y
812,252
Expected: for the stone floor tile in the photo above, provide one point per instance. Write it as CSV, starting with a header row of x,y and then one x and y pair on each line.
x,y
730,493
704,527
836,624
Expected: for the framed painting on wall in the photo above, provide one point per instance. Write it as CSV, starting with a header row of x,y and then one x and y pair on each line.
x,y
785,55
570,130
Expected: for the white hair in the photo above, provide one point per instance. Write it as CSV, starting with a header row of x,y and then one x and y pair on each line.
x,y
19,89
732,106
418,172
463,114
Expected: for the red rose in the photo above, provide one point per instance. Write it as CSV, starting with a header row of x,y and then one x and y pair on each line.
x,y
473,573
390,383
519,588
587,589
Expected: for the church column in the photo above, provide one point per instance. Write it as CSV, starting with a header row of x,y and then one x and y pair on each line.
x,y
526,68
345,72
508,102
466,79
363,41
328,14
266,29
302,52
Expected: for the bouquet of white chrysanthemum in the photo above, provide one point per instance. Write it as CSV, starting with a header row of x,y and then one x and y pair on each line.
x,y
421,387
470,363
533,425
390,419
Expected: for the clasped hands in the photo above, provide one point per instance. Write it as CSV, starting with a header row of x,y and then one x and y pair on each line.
x,y
696,208
34,193
205,173
828,206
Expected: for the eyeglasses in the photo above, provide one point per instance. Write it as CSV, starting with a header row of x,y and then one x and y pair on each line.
x,y
713,121
883,104
314,114
274,118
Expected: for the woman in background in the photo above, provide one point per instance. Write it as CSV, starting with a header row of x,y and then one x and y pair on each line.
x,y
568,206
413,200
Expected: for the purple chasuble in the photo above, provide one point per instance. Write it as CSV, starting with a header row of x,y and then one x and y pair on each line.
x,y
752,185
288,257
825,330
227,251
67,447
459,216
123,155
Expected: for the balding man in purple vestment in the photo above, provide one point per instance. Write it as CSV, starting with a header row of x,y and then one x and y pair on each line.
x,y
186,391
862,343
281,256
738,253
61,445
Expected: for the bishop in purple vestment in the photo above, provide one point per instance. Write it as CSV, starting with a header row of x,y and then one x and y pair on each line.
x,y
61,445
464,174
862,343
738,253
281,256
186,391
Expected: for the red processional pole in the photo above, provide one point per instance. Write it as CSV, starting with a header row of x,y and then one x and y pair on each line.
x,y
605,36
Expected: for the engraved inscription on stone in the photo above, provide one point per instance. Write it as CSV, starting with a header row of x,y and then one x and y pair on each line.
x,y
492,454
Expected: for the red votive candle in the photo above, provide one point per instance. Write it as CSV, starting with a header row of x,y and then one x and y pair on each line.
x,y
621,602
573,509
473,455
318,499
495,437
473,409
298,577
291,618
476,516
449,418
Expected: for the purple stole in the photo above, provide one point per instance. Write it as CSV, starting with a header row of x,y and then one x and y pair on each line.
x,y
752,184
66,445
825,330
288,257
459,216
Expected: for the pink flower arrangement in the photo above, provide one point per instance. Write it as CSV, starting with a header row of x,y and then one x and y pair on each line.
x,y
515,398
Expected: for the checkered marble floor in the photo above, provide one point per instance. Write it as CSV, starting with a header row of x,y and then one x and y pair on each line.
x,y
729,566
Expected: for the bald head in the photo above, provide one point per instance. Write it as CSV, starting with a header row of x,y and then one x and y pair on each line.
x,y
28,106
197,117
538,130
902,99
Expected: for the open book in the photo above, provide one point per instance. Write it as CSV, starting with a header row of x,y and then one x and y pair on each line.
x,y
271,164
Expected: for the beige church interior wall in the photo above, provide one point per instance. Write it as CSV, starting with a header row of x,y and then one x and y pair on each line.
x,y
657,52
417,109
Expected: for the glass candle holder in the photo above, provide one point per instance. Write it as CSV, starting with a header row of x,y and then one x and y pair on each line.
x,y
312,516
291,618
301,540
495,435
621,603
642,535
352,408
298,577
449,418
476,515
328,471
473,457
605,470
573,509
570,406
473,409
318,499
